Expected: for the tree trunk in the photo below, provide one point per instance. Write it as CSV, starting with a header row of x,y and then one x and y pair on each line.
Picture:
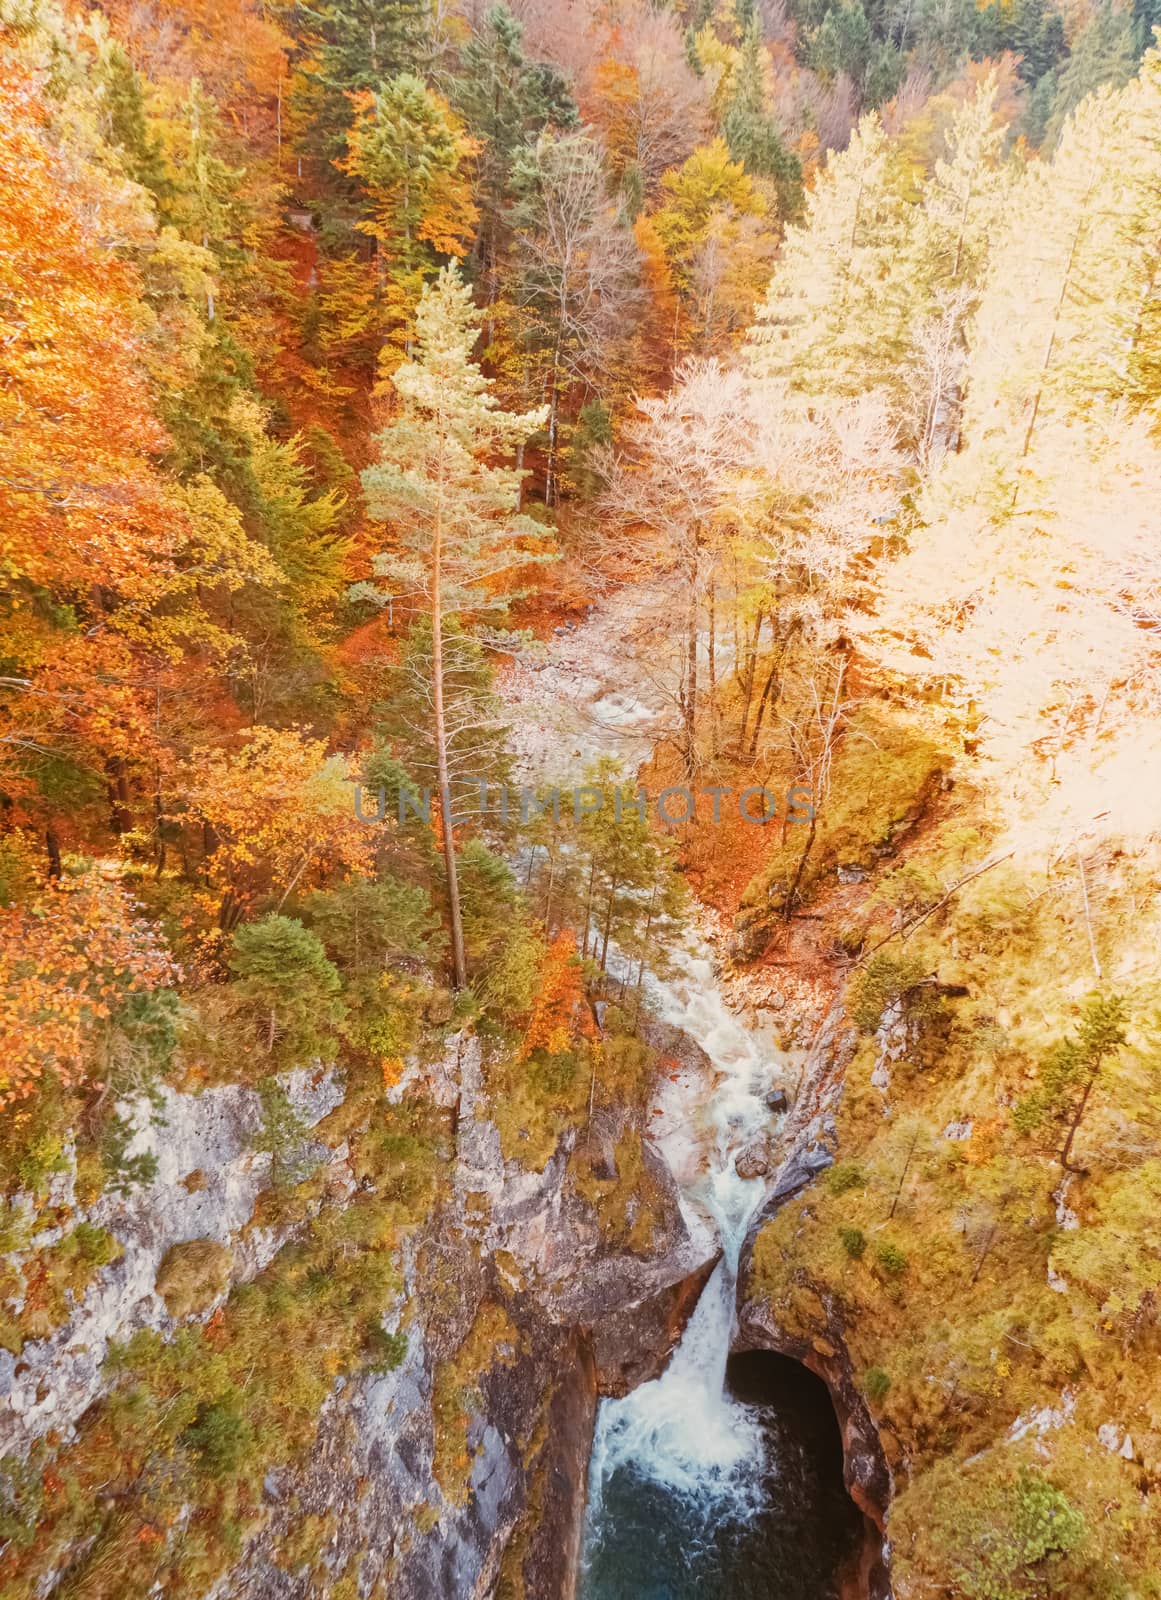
x,y
689,706
120,817
459,965
903,1175
1078,1117
748,674
548,893
986,1252
52,845
713,671
792,892
644,952
588,907
1065,284
550,485
770,682
229,911
613,887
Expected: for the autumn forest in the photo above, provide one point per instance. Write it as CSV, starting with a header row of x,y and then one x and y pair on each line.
x,y
405,404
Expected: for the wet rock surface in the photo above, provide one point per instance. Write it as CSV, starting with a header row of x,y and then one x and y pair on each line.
x,y
587,1320
865,1470
806,1147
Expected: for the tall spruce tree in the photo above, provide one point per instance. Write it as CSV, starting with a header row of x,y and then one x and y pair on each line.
x,y
750,130
835,319
438,481
505,100
409,151
355,45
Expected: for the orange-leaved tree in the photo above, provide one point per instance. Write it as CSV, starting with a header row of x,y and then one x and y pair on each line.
x,y
87,527
277,815
80,503
70,958
558,1012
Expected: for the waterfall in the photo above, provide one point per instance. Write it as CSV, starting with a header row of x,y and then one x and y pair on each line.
x,y
682,1431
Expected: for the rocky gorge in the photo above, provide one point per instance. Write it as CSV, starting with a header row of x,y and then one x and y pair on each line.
x,y
512,1258
463,1468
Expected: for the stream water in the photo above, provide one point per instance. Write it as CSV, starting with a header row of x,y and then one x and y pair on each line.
x,y
719,1478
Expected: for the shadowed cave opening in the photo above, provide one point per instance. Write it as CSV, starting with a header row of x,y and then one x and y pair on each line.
x,y
790,1533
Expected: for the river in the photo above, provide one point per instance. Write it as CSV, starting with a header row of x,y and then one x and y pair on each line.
x,y
721,1477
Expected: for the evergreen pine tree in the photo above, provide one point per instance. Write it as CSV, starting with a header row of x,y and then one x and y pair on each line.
x,y
505,100
452,509
750,130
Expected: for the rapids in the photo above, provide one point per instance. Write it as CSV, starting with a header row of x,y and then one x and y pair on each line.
x,y
700,1485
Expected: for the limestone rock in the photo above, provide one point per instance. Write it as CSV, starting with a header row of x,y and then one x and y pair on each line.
x,y
1116,1440
212,1134
752,1162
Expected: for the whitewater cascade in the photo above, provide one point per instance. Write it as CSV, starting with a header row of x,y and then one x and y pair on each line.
x,y
599,694
683,1431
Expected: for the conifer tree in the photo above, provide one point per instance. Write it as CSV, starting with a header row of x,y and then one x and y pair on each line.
x,y
355,46
452,507
961,210
1070,280
750,130
505,100
836,316
409,150
1102,53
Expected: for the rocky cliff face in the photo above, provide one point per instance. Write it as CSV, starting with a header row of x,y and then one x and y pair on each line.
x,y
806,1147
865,1470
461,1471
208,1177
519,1317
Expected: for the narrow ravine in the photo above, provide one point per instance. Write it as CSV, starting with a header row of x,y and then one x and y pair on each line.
x,y
708,1480
683,1434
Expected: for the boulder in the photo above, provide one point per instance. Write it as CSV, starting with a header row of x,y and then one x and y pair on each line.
x,y
752,1162
748,940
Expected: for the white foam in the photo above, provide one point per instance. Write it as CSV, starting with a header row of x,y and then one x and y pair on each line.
x,y
683,1430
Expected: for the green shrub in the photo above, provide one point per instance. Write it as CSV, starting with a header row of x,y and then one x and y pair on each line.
x,y
554,1074
94,1245
283,1134
41,1159
991,1533
884,980
385,1351
891,1259
854,1242
876,1383
219,1436
911,889
844,1176
283,975
122,1171
21,1500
